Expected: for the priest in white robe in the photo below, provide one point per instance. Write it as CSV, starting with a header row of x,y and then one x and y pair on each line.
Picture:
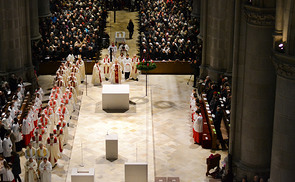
x,y
116,73
106,64
53,149
134,72
45,169
96,76
31,167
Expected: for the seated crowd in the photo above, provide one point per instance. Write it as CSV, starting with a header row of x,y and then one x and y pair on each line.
x,y
218,95
168,32
75,27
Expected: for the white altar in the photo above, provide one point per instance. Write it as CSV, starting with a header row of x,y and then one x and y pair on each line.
x,y
115,96
135,172
82,174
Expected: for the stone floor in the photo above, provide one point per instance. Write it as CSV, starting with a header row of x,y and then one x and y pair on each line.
x,y
156,129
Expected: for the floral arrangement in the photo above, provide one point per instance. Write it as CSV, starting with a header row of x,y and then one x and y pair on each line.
x,y
146,65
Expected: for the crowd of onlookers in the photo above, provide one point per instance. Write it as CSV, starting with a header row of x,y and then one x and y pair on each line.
x,y
168,32
75,27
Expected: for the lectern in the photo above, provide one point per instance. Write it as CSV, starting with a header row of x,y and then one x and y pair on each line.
x,y
111,147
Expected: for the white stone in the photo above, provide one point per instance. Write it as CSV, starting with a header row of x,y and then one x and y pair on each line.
x,y
115,97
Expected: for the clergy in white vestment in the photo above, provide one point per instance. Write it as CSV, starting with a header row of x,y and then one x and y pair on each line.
x,y
7,146
64,125
116,73
41,152
63,111
36,139
45,169
121,60
53,149
106,64
31,167
30,152
96,76
134,72
127,66
59,133
80,64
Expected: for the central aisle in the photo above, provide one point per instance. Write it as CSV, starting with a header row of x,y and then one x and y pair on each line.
x,y
133,127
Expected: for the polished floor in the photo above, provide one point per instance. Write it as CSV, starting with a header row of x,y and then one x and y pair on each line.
x,y
156,129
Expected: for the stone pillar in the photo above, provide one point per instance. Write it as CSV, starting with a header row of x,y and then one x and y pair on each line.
x,y
282,158
44,8
15,43
196,11
202,36
254,92
34,20
219,37
279,20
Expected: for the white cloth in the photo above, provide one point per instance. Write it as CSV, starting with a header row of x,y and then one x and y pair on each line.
x,y
7,147
198,123
16,131
7,174
127,64
45,171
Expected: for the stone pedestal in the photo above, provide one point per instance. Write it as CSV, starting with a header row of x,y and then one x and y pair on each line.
x,y
82,175
111,141
44,8
135,172
115,97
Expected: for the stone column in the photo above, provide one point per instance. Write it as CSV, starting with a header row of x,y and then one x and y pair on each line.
x,y
44,8
254,92
196,11
202,36
279,23
34,20
15,43
282,158
219,37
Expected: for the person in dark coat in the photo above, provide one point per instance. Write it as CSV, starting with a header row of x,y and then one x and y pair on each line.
x,y
130,28
16,169
196,69
217,124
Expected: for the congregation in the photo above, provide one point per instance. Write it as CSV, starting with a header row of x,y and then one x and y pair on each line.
x,y
168,32
75,27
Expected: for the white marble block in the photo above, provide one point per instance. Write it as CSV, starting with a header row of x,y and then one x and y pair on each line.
x,y
115,96
84,175
135,172
111,146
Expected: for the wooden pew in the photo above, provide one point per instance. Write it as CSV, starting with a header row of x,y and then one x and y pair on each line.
x,y
209,119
